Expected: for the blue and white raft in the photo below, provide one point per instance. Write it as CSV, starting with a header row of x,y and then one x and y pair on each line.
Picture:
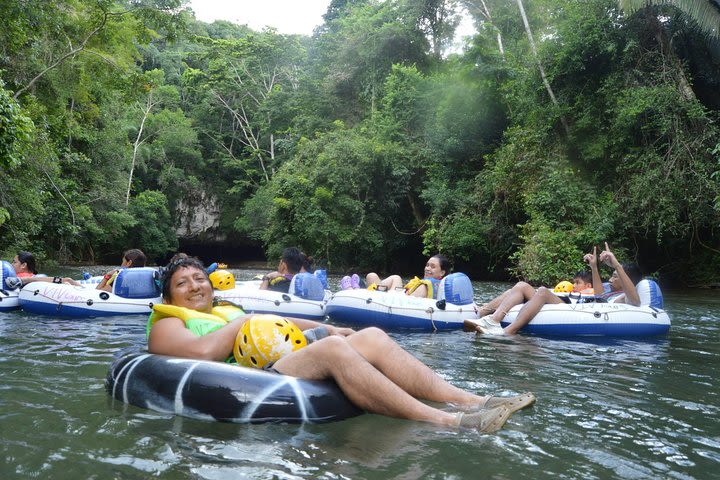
x,y
9,299
585,317
135,291
306,298
395,310
595,319
222,392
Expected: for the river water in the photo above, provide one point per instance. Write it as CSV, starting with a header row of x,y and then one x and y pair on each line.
x,y
626,409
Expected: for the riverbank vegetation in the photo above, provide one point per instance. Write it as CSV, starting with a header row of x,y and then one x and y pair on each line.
x,y
559,125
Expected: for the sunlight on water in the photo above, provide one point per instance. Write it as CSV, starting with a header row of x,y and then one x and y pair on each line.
x,y
606,408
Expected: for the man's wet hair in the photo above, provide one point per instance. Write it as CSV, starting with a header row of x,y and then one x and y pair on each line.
x,y
583,275
172,267
632,270
136,257
294,259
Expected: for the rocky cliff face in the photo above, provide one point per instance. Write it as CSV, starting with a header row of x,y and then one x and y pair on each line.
x,y
199,218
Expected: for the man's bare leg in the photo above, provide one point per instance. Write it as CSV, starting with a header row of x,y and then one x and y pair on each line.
x,y
406,371
389,380
533,306
520,293
365,386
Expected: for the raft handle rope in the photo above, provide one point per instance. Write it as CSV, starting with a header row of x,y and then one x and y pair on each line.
x,y
103,295
430,311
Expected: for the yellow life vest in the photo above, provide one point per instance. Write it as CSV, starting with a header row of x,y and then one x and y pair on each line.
x,y
197,322
413,285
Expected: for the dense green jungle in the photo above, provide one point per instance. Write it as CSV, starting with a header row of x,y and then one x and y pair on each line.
x,y
561,124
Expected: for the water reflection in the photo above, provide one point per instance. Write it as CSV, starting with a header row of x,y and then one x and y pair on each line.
x,y
606,408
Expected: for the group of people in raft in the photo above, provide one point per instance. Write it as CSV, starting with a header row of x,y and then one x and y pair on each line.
x,y
25,267
373,371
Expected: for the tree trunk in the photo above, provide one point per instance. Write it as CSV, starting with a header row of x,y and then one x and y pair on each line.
x,y
484,11
667,52
540,67
138,140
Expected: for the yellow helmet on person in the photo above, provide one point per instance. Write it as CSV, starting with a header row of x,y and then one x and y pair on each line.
x,y
266,338
222,280
563,287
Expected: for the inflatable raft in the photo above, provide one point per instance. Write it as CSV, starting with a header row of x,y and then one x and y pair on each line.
x,y
135,291
8,292
9,300
598,319
223,392
306,298
395,310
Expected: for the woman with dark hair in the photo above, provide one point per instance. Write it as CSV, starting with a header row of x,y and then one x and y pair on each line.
x,y
292,262
26,271
131,259
435,270
24,265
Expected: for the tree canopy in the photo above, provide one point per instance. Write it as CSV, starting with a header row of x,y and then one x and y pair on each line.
x,y
560,125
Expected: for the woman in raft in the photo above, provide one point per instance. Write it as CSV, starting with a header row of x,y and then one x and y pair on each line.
x,y
132,258
26,271
435,270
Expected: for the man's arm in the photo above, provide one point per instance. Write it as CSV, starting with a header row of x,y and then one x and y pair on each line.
x,y
170,337
591,259
628,287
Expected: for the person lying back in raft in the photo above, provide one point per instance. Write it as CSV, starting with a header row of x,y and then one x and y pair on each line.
x,y
26,271
436,268
373,371
534,300
131,259
292,262
624,283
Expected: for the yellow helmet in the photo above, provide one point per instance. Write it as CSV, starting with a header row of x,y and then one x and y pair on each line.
x,y
563,287
222,280
266,338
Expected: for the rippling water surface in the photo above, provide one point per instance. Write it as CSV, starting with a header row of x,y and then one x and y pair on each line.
x,y
605,409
